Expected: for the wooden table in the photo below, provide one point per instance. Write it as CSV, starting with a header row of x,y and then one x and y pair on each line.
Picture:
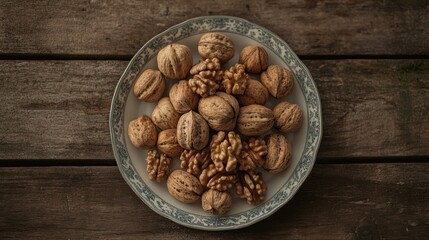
x,y
60,62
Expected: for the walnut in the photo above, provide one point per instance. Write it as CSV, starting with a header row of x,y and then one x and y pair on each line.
x,y
287,117
203,86
150,86
278,80
212,178
279,153
255,120
216,45
254,58
167,143
183,98
251,186
210,68
253,154
255,93
164,115
174,61
192,131
194,161
235,80
142,132
216,202
225,151
184,186
220,111
157,167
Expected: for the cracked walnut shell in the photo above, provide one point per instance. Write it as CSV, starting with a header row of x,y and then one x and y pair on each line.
x,y
210,68
142,132
174,61
254,58
167,143
216,45
192,131
220,111
255,120
150,86
278,80
251,186
164,115
203,86
255,93
216,202
225,151
253,154
279,153
194,161
182,97
184,186
213,179
235,80
157,167
288,117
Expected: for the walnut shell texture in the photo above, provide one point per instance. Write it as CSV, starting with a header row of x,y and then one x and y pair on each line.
x,y
167,143
216,45
254,58
192,131
142,132
164,115
174,61
182,97
288,117
255,120
278,80
150,86
216,202
220,111
255,93
279,153
184,186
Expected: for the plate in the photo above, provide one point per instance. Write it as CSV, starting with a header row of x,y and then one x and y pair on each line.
x,y
281,187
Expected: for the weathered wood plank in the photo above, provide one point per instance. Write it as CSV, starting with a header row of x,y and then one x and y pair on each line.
x,y
59,109
353,201
335,27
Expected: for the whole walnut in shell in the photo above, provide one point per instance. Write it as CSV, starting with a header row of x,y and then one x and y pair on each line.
x,y
279,153
216,202
255,120
254,58
220,111
164,115
255,93
287,117
167,143
142,132
216,45
235,80
184,186
225,151
278,80
192,131
251,186
182,97
174,61
157,167
150,86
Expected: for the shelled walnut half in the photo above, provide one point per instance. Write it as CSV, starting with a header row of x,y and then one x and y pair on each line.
x,y
158,167
251,186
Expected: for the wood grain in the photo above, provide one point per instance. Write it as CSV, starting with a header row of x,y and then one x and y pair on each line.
x,y
59,109
112,28
353,201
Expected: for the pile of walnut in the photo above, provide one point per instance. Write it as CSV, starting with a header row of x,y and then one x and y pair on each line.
x,y
224,103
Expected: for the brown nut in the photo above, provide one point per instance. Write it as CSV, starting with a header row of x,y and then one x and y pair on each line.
x,y
251,186
220,111
216,45
203,86
235,80
182,97
216,202
195,160
255,93
210,68
253,154
288,117
255,120
210,177
278,80
150,86
174,61
254,58
157,167
164,115
142,132
167,143
279,153
192,131
184,187
225,151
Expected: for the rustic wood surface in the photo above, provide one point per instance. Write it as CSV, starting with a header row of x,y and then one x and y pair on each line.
x,y
120,28
338,201
60,62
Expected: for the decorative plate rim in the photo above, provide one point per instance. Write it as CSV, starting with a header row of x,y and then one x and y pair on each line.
x,y
300,173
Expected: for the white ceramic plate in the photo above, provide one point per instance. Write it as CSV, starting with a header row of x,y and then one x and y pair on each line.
x,y
281,187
